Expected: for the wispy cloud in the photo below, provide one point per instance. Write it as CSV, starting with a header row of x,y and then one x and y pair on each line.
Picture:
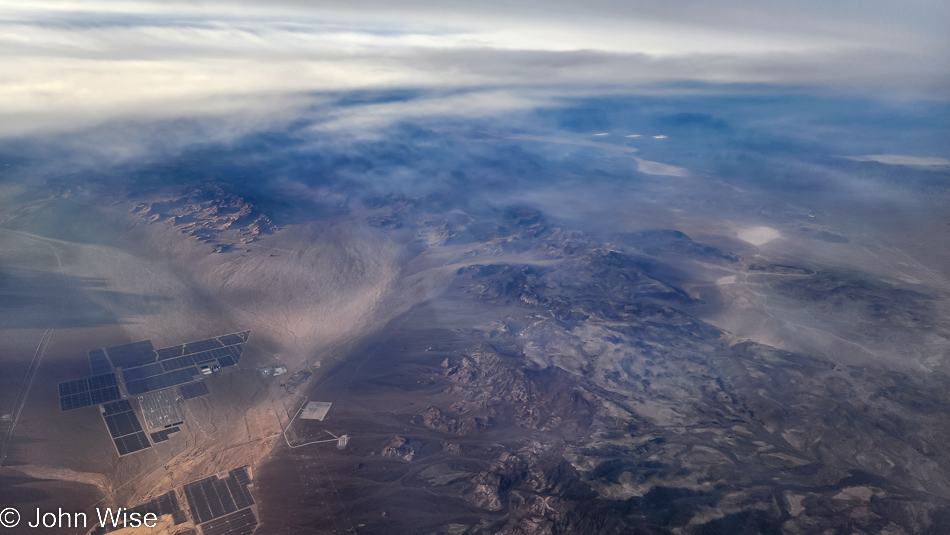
x,y
897,159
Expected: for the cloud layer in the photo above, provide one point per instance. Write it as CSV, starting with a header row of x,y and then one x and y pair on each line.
x,y
73,64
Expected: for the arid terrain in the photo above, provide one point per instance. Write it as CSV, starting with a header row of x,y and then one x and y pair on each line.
x,y
535,334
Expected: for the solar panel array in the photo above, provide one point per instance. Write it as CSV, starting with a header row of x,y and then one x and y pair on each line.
x,y
212,498
232,339
159,382
134,374
132,443
169,352
191,348
86,392
116,407
166,504
202,345
177,362
122,423
208,357
242,522
162,436
241,476
145,370
99,362
131,355
225,356
124,427
194,390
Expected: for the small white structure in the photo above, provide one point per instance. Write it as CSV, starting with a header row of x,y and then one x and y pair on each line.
x,y
315,410
272,371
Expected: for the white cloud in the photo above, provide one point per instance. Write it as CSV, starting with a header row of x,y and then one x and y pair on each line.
x,y
896,159
468,104
759,235
68,63
659,169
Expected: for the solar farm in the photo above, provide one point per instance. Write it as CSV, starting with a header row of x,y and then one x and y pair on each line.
x,y
214,497
90,391
160,380
219,505
222,505
124,427
140,392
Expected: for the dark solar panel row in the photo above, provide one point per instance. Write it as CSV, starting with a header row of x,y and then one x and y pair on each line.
x,y
75,401
219,498
211,354
236,352
159,382
124,427
203,358
220,352
123,423
193,390
99,362
102,381
177,363
231,339
169,352
104,395
239,493
131,355
240,475
162,436
166,504
198,502
212,498
73,387
86,392
225,356
134,374
240,523
201,345
132,443
85,399
116,407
